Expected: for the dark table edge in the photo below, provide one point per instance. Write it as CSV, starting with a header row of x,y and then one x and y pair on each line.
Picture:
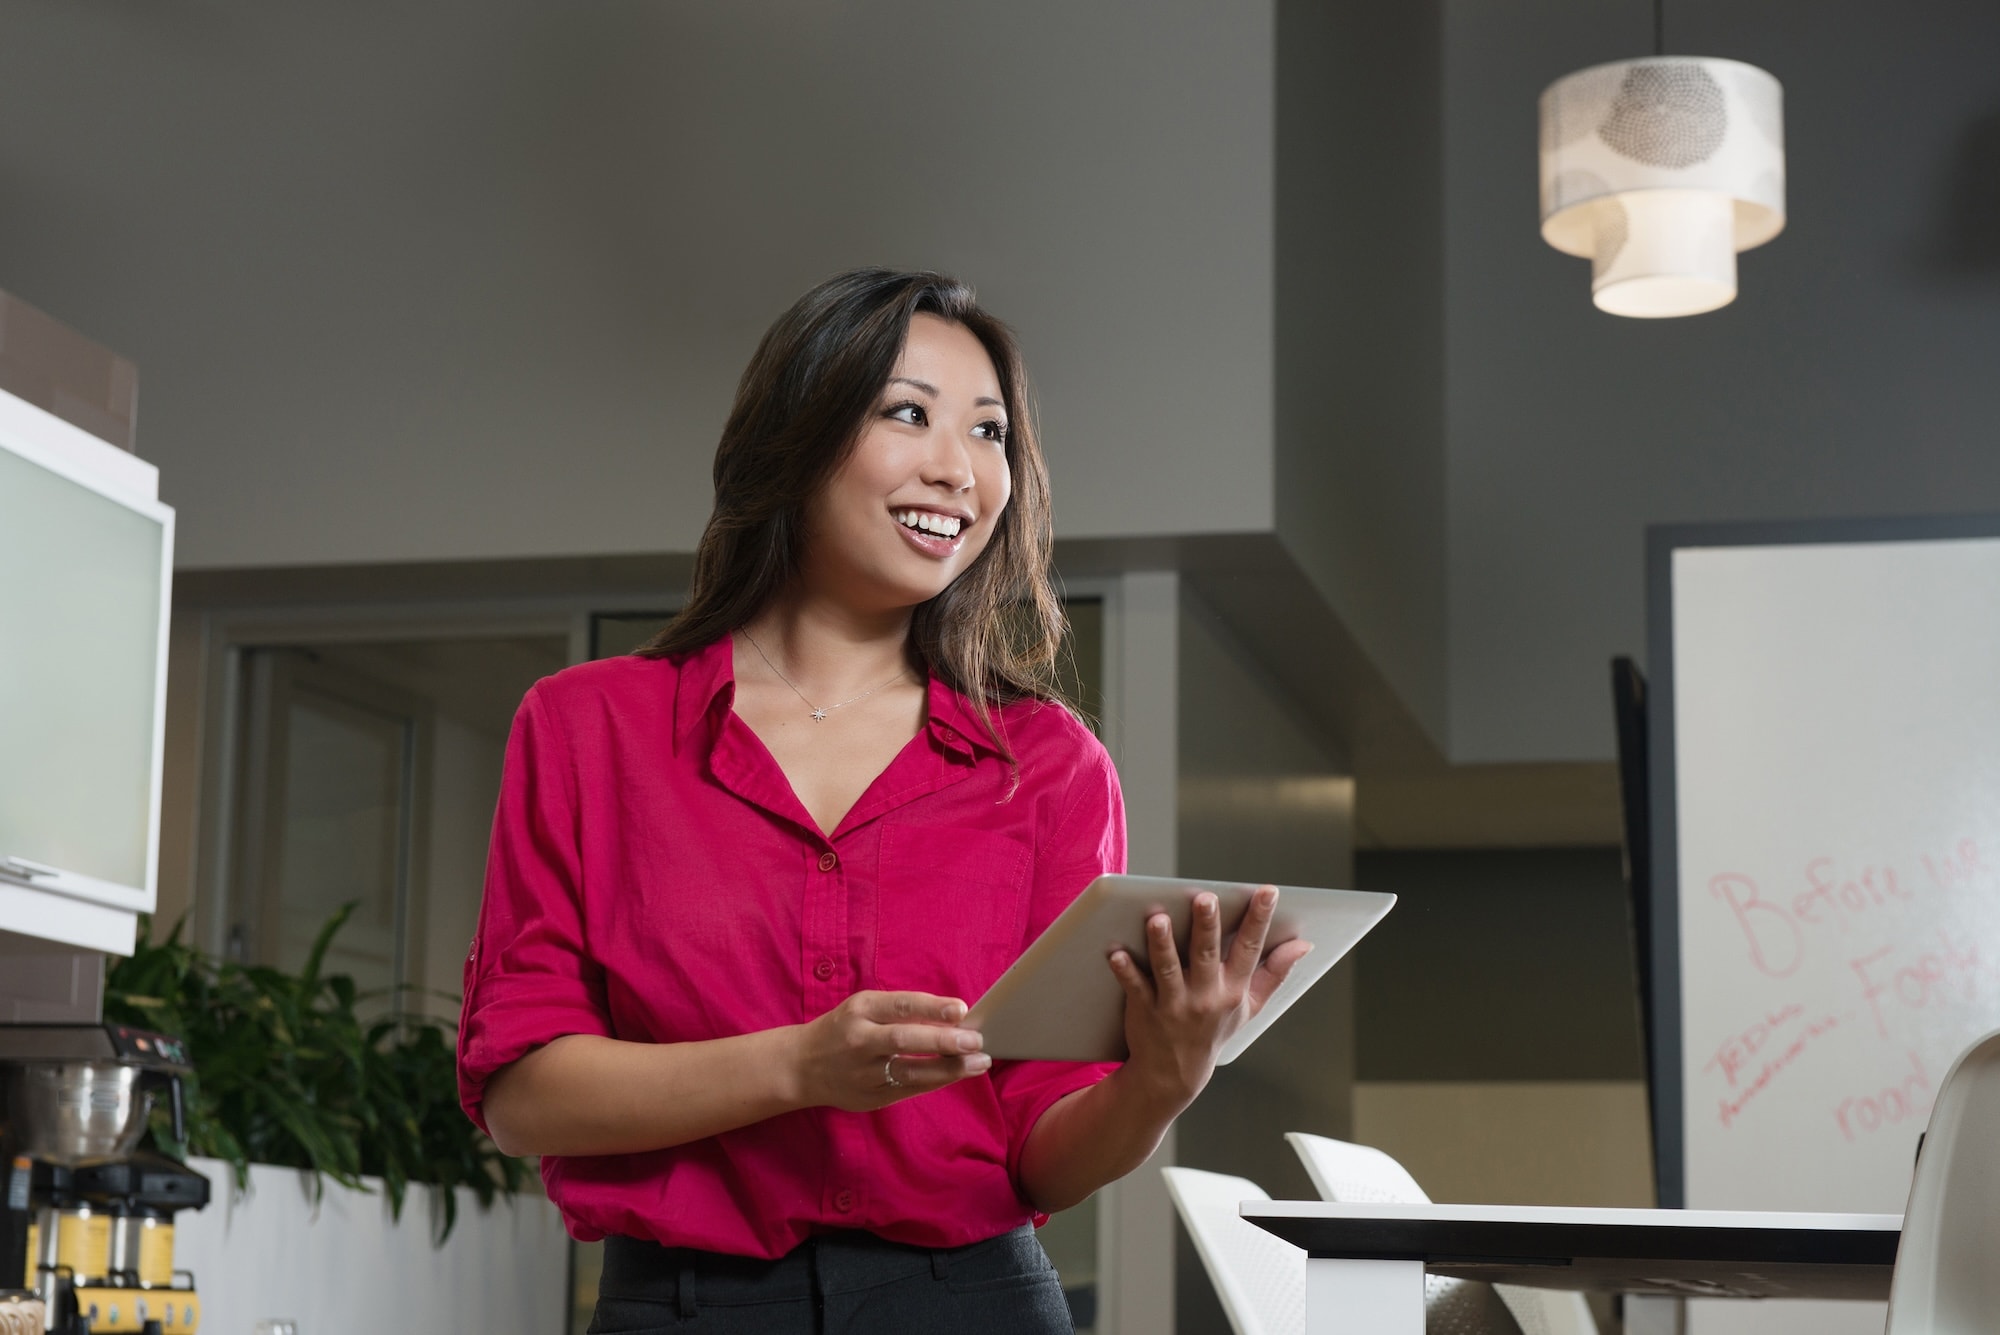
x,y
1550,1243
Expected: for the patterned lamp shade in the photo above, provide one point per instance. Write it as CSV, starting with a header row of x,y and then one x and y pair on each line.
x,y
1658,171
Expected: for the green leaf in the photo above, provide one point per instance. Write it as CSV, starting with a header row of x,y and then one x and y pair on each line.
x,y
309,976
286,1072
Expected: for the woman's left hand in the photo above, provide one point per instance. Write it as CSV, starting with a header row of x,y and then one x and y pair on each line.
x,y
1177,1020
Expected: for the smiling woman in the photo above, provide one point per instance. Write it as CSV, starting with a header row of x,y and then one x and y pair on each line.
x,y
744,882
878,399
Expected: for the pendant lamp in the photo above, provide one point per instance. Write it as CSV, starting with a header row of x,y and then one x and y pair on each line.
x,y
1658,171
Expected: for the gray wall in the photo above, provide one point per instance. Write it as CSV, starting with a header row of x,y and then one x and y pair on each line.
x,y
1854,374
442,280
1498,964
1360,311
449,279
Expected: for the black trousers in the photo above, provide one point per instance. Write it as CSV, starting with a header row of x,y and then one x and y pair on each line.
x,y
837,1284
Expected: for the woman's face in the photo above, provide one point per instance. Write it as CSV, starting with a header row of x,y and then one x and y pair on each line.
x,y
920,497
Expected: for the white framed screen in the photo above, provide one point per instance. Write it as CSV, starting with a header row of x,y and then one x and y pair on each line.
x,y
86,558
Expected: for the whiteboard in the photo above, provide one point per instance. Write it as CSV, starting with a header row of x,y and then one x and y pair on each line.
x,y
1834,754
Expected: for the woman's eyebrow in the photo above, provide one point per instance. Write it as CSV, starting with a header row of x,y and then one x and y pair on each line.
x,y
932,390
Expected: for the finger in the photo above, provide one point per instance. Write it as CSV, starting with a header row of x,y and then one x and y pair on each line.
x,y
928,1039
922,1007
1166,961
1256,926
1275,970
915,1075
1134,982
1205,942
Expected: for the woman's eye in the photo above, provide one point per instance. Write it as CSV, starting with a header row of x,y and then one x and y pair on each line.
x,y
912,413
991,430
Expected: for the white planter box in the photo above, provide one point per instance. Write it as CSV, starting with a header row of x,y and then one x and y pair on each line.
x,y
346,1268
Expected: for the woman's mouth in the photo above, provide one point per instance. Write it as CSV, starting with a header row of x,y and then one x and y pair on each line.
x,y
929,532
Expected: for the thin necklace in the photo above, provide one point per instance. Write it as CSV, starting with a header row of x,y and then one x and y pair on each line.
x,y
818,714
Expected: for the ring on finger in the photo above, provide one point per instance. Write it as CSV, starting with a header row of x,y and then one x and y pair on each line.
x,y
889,1073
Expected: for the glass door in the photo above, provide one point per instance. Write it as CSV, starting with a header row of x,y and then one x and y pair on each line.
x,y
331,811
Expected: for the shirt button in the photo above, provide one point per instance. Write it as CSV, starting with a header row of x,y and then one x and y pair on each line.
x,y
948,734
827,862
843,1201
824,969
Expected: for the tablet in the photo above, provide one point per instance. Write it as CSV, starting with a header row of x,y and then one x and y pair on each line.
x,y
1061,1002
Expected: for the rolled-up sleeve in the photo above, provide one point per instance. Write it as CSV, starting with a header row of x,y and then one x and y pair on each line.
x,y
529,978
1089,842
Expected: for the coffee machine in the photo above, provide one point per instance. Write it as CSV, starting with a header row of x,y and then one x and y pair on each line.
x,y
85,1222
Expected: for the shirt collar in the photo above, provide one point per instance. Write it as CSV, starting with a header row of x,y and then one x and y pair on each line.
x,y
709,674
954,724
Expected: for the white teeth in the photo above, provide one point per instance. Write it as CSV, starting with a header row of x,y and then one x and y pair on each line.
x,y
944,526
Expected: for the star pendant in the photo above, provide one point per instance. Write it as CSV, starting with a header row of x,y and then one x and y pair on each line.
x,y
819,716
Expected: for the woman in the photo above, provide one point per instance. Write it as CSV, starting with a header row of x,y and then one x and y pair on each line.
x,y
744,883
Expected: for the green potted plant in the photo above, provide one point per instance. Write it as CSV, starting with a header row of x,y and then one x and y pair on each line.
x,y
287,1072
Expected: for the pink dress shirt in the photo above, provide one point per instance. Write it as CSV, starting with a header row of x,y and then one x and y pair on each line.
x,y
654,878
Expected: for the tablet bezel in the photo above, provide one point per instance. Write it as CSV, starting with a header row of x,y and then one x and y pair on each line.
x,y
1060,1001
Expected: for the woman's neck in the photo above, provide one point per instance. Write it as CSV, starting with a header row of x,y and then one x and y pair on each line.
x,y
831,651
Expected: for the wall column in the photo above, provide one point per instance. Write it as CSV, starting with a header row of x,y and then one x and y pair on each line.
x,y
1135,1219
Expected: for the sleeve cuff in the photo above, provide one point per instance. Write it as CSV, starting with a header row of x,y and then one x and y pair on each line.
x,y
1048,1083
508,1024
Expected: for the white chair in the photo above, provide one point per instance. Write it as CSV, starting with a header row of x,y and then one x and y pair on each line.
x,y
1360,1174
1341,1171
1260,1277
1947,1279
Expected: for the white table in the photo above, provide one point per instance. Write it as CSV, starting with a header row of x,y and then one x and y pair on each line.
x,y
1366,1263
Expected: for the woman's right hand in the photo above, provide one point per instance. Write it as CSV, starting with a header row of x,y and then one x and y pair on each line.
x,y
878,1048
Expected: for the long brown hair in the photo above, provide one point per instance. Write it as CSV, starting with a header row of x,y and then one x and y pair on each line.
x,y
800,409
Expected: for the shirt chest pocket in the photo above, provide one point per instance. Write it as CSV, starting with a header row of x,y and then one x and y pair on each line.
x,y
952,909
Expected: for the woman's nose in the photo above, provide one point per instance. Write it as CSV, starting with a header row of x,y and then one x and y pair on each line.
x,y
949,464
